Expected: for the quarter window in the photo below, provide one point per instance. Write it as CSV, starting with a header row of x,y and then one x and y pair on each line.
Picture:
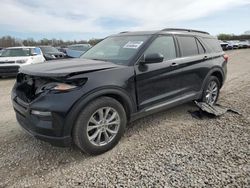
x,y
188,46
163,45
213,44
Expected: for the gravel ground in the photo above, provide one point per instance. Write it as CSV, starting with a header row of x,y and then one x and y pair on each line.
x,y
169,149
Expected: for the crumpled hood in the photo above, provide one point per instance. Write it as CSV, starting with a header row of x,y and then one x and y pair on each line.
x,y
65,67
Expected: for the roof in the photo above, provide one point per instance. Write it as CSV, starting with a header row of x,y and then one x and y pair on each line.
x,y
19,47
167,30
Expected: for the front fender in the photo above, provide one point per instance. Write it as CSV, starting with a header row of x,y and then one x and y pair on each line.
x,y
85,99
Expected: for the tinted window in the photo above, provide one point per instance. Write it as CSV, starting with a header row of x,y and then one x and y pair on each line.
x,y
213,44
163,45
188,46
200,47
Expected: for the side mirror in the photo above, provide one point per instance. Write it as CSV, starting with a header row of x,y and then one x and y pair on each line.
x,y
153,58
34,54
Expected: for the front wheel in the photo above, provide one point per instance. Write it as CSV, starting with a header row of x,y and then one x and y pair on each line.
x,y
100,126
211,90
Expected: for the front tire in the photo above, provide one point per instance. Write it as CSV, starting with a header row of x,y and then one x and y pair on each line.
x,y
211,90
100,126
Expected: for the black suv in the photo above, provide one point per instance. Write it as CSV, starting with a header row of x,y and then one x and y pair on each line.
x,y
89,100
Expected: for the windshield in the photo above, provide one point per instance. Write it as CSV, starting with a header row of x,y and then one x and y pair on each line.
x,y
15,52
117,49
49,49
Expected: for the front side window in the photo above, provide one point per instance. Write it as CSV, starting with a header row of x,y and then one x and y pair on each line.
x,y
188,46
163,45
117,49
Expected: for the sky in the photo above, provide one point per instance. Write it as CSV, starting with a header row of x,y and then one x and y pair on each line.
x,y
86,19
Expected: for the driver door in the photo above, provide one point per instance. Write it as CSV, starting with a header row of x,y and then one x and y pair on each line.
x,y
159,82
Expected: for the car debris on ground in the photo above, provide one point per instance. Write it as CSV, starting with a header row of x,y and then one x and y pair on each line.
x,y
209,110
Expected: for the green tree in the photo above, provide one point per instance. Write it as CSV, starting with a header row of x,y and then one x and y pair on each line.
x,y
223,36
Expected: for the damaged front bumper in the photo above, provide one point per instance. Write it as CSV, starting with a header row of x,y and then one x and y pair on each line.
x,y
45,126
45,116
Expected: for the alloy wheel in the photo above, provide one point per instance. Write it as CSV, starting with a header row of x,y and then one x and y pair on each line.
x,y
103,126
212,92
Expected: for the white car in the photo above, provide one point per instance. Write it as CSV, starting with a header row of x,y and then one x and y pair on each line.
x,y
13,58
244,44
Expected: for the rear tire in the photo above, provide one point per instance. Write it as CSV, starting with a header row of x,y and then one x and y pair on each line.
x,y
100,126
211,90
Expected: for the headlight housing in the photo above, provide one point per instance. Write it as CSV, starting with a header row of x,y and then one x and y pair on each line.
x,y
22,61
54,86
61,86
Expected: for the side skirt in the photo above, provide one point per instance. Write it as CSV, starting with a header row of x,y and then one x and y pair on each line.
x,y
165,105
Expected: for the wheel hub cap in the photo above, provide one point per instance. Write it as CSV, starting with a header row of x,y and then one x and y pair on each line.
x,y
212,92
103,126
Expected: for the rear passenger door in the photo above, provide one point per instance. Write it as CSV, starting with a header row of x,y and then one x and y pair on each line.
x,y
192,63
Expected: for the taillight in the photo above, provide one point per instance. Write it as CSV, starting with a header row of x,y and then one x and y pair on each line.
x,y
225,56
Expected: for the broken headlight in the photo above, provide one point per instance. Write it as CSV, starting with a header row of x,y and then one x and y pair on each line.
x,y
61,86
54,86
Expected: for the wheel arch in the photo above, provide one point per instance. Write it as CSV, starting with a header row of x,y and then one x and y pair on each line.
x,y
218,72
117,93
219,75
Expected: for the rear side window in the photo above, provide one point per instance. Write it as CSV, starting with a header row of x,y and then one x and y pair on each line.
x,y
163,45
188,46
213,44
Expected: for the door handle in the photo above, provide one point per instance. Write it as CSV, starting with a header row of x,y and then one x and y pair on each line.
x,y
174,64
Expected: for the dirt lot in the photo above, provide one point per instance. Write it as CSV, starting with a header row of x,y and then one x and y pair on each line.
x,y
169,149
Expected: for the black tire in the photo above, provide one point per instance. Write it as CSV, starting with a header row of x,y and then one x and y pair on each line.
x,y
80,134
211,79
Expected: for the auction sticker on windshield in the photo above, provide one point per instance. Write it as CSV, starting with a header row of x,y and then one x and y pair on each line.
x,y
133,44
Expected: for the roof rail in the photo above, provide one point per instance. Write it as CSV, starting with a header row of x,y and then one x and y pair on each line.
x,y
187,30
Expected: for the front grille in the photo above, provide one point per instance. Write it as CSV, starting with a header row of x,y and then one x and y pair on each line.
x,y
7,62
9,69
